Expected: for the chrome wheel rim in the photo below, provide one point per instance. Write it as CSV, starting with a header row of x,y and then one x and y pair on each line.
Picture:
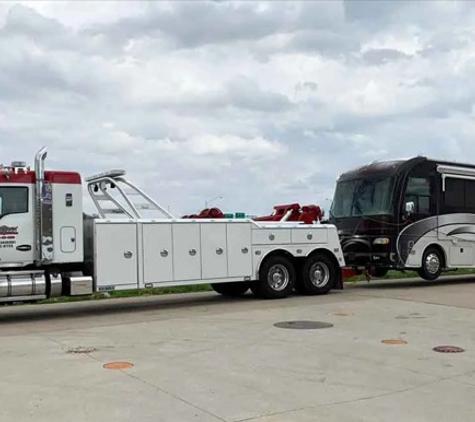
x,y
432,263
319,274
278,277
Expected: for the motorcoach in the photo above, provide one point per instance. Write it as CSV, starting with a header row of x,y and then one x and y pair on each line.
x,y
416,213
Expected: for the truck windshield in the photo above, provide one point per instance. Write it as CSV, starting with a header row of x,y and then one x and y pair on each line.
x,y
357,197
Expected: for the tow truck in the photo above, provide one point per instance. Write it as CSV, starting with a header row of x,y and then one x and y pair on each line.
x,y
50,247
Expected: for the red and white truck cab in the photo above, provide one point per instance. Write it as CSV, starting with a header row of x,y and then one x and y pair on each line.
x,y
61,231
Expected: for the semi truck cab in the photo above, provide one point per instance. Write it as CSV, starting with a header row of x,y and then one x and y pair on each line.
x,y
59,237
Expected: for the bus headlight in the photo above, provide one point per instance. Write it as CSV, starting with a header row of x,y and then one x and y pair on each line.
x,y
381,241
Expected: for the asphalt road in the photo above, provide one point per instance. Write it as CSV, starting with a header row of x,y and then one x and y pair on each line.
x,y
200,357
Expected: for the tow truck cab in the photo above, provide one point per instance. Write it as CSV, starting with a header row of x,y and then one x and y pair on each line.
x,y
59,239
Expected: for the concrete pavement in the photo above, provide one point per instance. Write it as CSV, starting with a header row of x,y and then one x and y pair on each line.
x,y
200,357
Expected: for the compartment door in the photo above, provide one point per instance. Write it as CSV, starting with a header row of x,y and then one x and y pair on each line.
x,y
158,253
186,251
68,239
214,250
239,249
116,254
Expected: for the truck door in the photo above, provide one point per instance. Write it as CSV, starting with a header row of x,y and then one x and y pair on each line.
x,y
17,246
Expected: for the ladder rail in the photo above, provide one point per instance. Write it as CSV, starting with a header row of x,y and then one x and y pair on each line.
x,y
114,179
109,198
127,199
147,197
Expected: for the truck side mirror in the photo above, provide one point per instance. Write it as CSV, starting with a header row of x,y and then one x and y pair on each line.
x,y
1,205
410,207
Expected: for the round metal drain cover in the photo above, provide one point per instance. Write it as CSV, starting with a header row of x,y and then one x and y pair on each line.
x,y
394,341
118,365
448,349
303,325
81,350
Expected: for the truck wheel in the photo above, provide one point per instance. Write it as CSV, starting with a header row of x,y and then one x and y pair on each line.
x,y
432,264
276,278
318,275
234,289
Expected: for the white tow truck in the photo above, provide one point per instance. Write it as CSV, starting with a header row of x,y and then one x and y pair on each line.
x,y
50,247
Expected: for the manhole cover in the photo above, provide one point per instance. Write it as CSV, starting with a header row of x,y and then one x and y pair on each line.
x,y
303,325
81,350
118,365
343,314
448,349
394,341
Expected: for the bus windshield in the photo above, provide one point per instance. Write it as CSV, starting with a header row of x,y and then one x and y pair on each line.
x,y
364,196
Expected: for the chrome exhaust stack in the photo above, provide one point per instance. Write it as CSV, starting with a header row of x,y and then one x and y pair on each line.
x,y
41,256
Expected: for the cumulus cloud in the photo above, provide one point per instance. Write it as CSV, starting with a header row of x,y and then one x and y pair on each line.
x,y
255,102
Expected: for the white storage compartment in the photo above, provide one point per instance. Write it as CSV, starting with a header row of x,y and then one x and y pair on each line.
x,y
186,251
214,250
271,236
239,249
157,252
309,235
461,255
116,254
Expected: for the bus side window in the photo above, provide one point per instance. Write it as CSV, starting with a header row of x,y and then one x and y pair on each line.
x,y
470,195
418,193
459,195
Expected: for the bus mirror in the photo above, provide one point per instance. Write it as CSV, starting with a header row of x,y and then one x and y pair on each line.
x,y
410,207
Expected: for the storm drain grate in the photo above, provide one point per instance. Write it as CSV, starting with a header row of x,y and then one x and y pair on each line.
x,y
80,350
303,325
448,349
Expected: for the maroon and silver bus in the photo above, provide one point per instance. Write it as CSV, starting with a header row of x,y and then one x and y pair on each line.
x,y
415,213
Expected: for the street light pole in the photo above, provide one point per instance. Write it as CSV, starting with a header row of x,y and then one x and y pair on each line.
x,y
212,199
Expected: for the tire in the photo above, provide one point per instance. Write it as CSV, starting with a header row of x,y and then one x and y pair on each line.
x,y
276,278
234,289
432,264
318,275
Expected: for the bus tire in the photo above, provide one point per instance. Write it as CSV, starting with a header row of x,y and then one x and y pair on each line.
x,y
276,278
318,275
234,289
432,264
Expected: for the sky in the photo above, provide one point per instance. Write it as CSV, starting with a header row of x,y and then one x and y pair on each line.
x,y
242,104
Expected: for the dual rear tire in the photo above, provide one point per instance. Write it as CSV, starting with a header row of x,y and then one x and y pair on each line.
x,y
278,277
319,275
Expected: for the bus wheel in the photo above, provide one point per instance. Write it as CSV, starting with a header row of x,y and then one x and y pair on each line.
x,y
432,264
318,275
276,278
234,289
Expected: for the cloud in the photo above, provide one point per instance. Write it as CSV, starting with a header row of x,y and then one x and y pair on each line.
x,y
257,102
221,22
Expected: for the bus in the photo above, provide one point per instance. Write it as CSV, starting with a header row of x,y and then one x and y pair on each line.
x,y
406,214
